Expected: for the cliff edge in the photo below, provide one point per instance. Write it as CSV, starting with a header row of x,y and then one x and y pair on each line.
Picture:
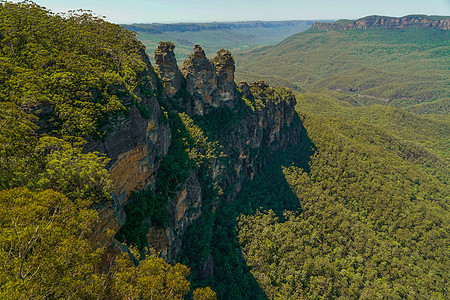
x,y
221,134
435,22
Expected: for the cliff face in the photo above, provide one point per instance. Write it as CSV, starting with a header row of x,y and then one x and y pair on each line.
x,y
201,81
388,22
133,142
224,65
209,84
167,67
247,133
246,124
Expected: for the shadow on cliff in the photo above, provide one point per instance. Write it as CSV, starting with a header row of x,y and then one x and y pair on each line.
x,y
268,190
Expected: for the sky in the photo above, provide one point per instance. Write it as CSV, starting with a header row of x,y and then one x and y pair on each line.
x,y
170,11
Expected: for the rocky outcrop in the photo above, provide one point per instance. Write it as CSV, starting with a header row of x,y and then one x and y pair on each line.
x,y
201,81
186,208
388,22
224,65
270,124
251,123
209,84
183,209
168,69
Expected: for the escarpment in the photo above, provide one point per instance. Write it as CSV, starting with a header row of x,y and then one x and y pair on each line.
x,y
167,67
134,141
226,133
184,141
151,150
442,23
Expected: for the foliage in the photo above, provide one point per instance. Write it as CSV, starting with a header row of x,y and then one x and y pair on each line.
x,y
373,224
143,210
421,139
199,148
52,163
223,55
60,77
43,246
400,66
213,36
78,65
366,218
204,294
16,140
189,150
66,169
262,94
147,207
153,278
374,220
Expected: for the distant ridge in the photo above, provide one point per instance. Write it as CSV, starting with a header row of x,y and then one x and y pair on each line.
x,y
437,22
184,27
234,36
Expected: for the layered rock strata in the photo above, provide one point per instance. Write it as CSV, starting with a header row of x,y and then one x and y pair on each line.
x,y
167,67
389,22
209,83
269,123
250,123
133,142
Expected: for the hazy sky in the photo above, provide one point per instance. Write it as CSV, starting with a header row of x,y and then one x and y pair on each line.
x,y
149,11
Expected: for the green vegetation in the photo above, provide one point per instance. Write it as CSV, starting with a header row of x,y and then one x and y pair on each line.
x,y
43,246
214,36
80,66
152,279
147,208
61,78
366,214
403,67
357,209
422,139
350,213
373,225
268,94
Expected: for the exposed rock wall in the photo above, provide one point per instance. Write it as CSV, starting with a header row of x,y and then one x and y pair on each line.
x,y
201,81
211,93
167,67
133,142
224,65
388,22
137,142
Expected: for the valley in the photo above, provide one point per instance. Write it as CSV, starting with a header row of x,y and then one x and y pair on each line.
x,y
313,168
214,36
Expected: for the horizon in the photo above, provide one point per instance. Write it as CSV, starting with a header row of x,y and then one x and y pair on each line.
x,y
209,11
290,20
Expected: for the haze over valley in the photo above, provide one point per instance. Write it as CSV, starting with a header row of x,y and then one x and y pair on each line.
x,y
195,153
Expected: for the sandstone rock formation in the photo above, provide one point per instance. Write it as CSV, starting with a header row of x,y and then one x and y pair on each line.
x,y
270,123
247,134
224,64
168,69
388,22
201,81
133,142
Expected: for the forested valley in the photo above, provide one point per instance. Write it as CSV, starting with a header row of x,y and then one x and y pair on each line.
x,y
348,199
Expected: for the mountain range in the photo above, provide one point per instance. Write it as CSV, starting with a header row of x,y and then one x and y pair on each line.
x,y
213,36
125,179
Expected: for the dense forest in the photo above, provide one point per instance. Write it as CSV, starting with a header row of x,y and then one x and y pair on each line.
x,y
360,210
357,208
403,67
79,66
359,217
